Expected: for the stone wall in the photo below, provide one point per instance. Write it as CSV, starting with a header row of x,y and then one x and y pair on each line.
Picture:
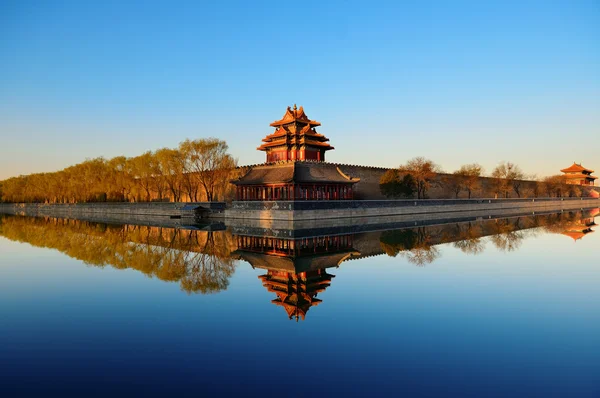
x,y
114,211
320,210
368,187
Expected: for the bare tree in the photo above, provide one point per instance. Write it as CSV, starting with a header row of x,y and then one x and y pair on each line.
x,y
424,172
470,176
508,175
453,184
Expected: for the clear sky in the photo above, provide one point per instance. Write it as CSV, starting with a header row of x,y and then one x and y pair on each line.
x,y
457,82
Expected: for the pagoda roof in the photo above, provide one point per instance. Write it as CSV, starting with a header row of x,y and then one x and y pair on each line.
x,y
297,141
296,308
282,132
295,264
576,168
579,175
295,115
576,235
297,172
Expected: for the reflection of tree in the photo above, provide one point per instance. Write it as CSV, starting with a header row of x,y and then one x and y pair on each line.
x,y
508,241
422,256
209,272
199,260
413,244
469,235
473,246
508,235
417,245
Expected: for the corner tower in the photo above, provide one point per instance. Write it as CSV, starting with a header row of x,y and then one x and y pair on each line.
x,y
295,138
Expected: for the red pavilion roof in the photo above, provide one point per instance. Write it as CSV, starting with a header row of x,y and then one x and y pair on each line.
x,y
580,176
576,168
293,115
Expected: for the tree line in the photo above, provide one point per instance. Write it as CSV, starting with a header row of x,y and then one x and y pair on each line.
x,y
199,261
418,176
196,170
418,245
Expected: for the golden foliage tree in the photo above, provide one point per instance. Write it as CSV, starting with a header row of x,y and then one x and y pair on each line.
x,y
469,176
508,176
196,167
424,172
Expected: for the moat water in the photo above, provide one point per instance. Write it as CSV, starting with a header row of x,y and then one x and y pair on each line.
x,y
490,307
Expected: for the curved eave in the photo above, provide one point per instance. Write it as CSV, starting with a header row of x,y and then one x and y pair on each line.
x,y
278,123
575,168
580,176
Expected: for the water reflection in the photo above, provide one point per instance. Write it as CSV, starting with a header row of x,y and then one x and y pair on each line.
x,y
200,261
296,268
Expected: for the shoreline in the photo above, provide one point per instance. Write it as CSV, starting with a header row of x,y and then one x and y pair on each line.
x,y
280,218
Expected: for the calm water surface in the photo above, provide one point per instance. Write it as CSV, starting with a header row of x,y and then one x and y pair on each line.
x,y
506,307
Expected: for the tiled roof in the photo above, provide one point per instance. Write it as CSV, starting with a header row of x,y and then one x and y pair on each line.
x,y
295,114
576,235
296,172
579,176
576,168
291,264
295,134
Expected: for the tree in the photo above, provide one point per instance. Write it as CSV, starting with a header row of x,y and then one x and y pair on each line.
x,y
206,157
171,167
453,183
423,171
470,175
228,171
142,169
554,185
393,186
508,175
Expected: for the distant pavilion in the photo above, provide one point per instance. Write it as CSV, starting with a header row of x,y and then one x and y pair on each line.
x,y
295,167
576,174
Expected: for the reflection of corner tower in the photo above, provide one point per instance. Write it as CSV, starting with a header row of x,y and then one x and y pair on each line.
x,y
582,227
296,268
296,293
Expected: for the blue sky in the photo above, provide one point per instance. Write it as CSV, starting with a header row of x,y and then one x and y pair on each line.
x,y
457,82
